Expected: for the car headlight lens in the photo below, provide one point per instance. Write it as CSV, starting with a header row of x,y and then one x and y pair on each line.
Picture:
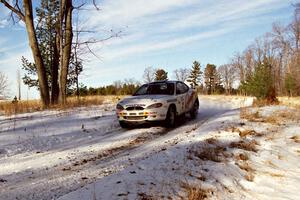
x,y
120,107
156,105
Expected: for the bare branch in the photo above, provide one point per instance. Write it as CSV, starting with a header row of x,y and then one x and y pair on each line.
x,y
15,9
3,84
90,50
78,7
95,5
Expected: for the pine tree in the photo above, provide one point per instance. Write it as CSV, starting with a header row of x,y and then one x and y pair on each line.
x,y
161,75
261,84
210,78
290,85
195,76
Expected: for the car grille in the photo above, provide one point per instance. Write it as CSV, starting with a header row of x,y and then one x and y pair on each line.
x,y
135,117
135,108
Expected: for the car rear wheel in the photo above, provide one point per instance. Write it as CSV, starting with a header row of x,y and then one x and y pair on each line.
x,y
194,111
171,117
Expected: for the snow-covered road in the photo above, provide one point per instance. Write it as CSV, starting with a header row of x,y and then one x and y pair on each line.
x,y
45,155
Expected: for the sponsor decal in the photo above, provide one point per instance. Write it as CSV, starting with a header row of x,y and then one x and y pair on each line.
x,y
171,100
190,98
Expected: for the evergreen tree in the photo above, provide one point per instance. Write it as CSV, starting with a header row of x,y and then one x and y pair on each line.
x,y
195,75
211,78
290,85
261,84
161,75
218,86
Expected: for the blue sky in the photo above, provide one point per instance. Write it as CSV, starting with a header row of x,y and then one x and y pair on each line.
x,y
169,34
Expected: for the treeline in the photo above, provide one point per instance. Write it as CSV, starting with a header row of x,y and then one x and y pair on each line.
x,y
267,68
270,66
126,87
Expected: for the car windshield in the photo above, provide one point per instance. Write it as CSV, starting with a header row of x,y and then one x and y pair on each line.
x,y
156,88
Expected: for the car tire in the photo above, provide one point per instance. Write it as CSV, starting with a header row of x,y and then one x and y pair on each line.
x,y
194,110
171,117
124,124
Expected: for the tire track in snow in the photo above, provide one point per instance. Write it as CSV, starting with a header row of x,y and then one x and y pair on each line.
x,y
77,172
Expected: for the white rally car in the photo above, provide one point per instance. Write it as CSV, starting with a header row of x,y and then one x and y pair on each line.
x,y
158,101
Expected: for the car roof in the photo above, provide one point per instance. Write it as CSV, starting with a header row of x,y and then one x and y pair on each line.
x,y
164,81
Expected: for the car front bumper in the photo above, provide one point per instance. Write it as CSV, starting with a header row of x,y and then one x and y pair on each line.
x,y
140,116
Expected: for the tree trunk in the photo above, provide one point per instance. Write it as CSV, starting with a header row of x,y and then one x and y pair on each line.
x,y
66,44
54,71
44,89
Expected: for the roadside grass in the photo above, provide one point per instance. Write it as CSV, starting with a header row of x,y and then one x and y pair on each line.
x,y
296,138
196,192
215,150
26,106
243,133
248,145
276,118
290,101
245,113
209,150
242,156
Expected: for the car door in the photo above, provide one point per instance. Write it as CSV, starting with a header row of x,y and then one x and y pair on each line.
x,y
181,95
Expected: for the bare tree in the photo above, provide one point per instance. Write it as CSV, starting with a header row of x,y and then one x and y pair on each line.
x,y
149,74
182,74
65,42
65,39
237,63
282,49
3,85
228,76
26,15
19,84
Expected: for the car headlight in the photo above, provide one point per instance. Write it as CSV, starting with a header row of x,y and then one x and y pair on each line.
x,y
156,105
120,107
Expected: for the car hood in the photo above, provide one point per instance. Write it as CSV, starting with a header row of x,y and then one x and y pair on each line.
x,y
144,100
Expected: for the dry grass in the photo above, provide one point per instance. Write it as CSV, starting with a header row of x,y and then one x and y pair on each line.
x,y
245,166
210,150
248,145
264,102
211,141
293,115
248,169
276,175
296,138
9,108
210,153
250,116
276,118
270,163
196,192
248,132
242,156
290,101
249,177
281,116
143,196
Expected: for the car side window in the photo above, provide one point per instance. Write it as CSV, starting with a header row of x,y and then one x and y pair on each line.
x,y
181,88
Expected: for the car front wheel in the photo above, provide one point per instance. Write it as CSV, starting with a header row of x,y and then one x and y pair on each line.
x,y
123,124
171,117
